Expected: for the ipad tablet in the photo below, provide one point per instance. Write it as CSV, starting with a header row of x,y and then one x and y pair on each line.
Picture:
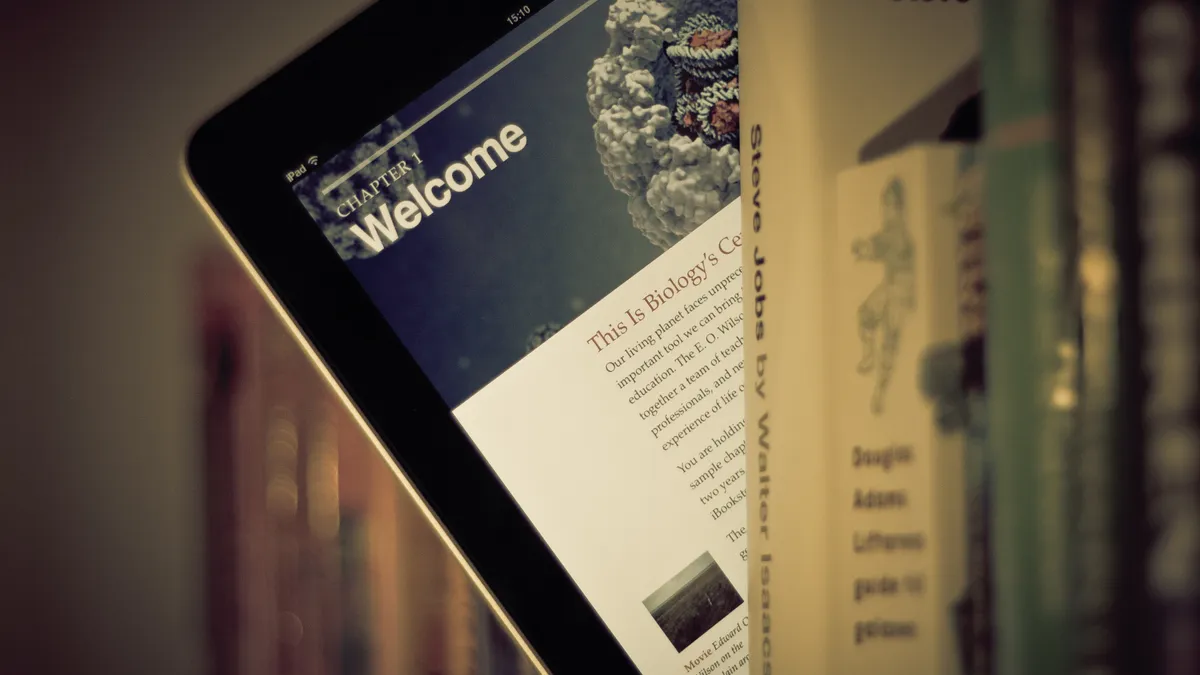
x,y
508,234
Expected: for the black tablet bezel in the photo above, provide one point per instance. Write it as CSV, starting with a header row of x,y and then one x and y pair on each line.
x,y
236,162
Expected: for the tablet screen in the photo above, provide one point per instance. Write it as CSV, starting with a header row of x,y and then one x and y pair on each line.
x,y
553,233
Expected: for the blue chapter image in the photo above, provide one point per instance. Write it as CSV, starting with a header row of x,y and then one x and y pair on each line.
x,y
537,188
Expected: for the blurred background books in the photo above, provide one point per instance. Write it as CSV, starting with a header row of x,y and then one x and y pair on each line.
x,y
170,504
317,560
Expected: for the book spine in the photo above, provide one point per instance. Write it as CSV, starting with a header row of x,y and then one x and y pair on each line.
x,y
461,626
898,504
231,318
1154,194
1032,348
786,551
1089,127
975,621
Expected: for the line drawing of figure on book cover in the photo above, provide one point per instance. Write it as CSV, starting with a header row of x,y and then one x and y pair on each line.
x,y
882,314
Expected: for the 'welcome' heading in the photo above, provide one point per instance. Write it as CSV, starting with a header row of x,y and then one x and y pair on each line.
x,y
378,230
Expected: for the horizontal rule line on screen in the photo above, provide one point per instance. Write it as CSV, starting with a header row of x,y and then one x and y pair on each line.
x,y
454,99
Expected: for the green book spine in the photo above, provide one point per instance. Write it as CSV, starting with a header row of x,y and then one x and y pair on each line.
x,y
1031,342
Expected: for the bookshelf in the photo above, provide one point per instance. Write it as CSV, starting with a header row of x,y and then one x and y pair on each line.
x,y
318,563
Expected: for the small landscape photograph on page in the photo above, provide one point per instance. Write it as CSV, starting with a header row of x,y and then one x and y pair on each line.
x,y
693,601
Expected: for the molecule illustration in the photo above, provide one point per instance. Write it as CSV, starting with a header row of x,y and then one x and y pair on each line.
x,y
706,75
664,97
540,334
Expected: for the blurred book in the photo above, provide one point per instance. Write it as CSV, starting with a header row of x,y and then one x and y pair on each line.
x,y
830,89
1129,95
1032,347
899,403
318,562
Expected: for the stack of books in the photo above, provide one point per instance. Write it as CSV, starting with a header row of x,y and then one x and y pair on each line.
x,y
970,244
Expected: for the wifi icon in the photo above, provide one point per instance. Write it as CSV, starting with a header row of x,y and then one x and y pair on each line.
x,y
312,161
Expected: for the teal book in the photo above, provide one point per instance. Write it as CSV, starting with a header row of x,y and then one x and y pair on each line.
x,y
1032,342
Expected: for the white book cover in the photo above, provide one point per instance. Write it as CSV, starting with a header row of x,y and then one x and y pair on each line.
x,y
897,473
